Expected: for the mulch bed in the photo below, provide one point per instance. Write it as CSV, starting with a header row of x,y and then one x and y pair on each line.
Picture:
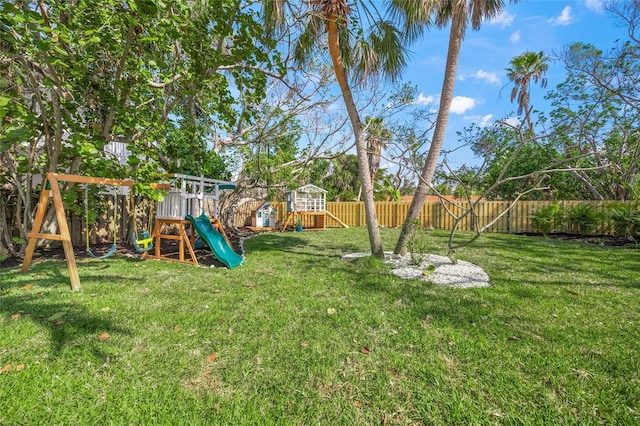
x,y
204,256
604,240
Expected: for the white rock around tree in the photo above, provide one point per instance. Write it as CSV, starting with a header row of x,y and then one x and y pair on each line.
x,y
442,272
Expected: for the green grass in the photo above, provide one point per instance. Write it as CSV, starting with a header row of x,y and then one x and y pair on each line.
x,y
553,341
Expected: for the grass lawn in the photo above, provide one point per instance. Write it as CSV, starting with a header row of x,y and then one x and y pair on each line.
x,y
297,336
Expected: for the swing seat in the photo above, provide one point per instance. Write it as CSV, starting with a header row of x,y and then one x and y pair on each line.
x,y
104,256
142,242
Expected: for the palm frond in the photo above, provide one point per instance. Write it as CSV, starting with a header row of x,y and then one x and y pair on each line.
x,y
482,10
273,15
309,41
391,54
414,16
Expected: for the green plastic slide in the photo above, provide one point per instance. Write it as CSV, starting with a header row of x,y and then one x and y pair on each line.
x,y
216,241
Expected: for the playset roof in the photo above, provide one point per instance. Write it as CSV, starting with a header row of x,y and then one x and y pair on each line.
x,y
310,188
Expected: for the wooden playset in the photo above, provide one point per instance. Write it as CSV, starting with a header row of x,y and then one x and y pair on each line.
x,y
307,206
51,187
187,196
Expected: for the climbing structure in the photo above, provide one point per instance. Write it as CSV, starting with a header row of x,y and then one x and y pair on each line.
x,y
188,196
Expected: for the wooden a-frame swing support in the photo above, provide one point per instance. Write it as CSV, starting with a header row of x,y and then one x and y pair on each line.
x,y
51,187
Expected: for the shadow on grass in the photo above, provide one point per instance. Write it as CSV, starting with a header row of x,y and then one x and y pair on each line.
x,y
465,308
68,322
536,260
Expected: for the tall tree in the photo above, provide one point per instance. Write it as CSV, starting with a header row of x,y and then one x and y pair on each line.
x,y
76,75
525,69
457,14
597,114
364,51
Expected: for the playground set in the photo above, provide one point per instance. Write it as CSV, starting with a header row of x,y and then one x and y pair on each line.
x,y
185,203
307,206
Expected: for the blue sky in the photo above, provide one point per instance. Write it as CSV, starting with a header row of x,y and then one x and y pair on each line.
x,y
482,93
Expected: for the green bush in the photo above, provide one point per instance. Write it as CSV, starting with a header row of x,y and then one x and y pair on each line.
x,y
584,217
624,219
548,219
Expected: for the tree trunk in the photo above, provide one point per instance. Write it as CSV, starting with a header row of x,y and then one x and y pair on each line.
x,y
361,143
446,96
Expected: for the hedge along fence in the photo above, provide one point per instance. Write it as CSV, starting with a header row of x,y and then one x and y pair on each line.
x,y
519,219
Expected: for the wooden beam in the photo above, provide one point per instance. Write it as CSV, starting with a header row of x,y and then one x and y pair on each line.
x,y
64,232
56,237
50,186
90,179
37,225
286,221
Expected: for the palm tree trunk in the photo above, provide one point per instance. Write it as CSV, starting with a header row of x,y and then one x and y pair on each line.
x,y
446,96
361,143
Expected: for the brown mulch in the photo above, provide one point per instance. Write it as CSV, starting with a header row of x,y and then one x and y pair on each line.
x,y
604,240
204,255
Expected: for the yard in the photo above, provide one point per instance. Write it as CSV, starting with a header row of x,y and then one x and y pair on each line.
x,y
298,336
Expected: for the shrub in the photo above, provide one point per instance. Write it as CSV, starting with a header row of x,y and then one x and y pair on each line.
x,y
548,219
585,218
624,219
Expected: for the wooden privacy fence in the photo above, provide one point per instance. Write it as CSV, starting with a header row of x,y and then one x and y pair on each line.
x,y
439,215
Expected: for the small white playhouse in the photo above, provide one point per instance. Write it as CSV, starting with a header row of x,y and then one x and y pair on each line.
x,y
308,206
307,198
264,216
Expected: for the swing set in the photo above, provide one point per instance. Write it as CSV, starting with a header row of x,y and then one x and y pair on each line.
x,y
51,189
141,241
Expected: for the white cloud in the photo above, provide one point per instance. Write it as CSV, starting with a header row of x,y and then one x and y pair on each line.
x,y
485,120
515,37
480,120
504,20
565,17
595,5
489,77
424,100
460,104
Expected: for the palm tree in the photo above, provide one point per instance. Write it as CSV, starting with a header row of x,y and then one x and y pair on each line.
x,y
378,50
343,178
457,13
528,67
377,138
